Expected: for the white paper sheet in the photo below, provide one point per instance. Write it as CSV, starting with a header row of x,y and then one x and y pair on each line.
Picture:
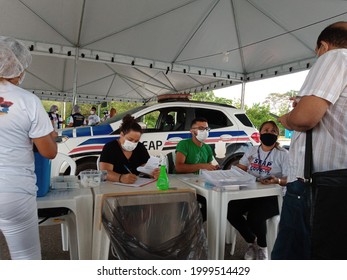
x,y
139,182
152,163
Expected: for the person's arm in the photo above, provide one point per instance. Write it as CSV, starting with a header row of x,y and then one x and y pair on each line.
x,y
306,114
117,177
46,145
243,167
182,167
282,181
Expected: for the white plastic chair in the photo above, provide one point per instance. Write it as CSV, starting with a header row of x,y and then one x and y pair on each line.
x,y
60,163
98,163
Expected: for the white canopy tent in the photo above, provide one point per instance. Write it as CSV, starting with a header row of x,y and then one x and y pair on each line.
x,y
135,50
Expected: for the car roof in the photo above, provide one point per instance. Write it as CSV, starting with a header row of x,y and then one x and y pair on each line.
x,y
198,102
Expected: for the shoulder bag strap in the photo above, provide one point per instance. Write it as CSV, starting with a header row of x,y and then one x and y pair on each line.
x,y
308,177
308,156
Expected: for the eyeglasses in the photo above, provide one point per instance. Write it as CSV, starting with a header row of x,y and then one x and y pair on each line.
x,y
202,128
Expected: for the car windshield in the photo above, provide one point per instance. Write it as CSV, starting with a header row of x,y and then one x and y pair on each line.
x,y
120,116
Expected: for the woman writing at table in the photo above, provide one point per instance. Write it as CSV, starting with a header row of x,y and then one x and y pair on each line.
x,y
122,156
269,163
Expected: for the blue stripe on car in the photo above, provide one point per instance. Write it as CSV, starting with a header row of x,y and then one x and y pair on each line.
x,y
101,141
233,133
83,131
67,133
86,131
102,129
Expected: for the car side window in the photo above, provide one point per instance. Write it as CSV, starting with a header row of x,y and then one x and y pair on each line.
x,y
173,120
216,119
150,121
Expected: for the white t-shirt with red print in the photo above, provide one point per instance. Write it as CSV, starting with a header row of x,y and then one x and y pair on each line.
x,y
262,164
22,118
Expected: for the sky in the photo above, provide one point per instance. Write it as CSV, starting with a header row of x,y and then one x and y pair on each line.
x,y
257,91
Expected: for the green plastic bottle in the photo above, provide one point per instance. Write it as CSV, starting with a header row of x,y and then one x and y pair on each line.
x,y
163,180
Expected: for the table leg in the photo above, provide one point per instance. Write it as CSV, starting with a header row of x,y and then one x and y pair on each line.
x,y
84,221
213,224
223,225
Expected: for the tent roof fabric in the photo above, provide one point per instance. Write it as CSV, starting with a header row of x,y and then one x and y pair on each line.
x,y
136,50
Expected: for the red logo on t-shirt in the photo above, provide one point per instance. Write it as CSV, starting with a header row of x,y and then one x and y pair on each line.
x,y
4,106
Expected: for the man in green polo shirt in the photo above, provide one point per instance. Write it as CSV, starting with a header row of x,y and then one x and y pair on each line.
x,y
193,154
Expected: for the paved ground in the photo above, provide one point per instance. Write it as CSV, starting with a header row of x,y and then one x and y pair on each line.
x,y
52,250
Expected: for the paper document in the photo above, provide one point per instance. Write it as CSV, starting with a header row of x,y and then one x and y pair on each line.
x,y
139,182
151,164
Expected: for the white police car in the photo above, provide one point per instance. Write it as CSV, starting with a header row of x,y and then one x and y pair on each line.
x,y
165,124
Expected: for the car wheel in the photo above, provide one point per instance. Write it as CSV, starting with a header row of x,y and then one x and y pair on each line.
x,y
232,161
90,164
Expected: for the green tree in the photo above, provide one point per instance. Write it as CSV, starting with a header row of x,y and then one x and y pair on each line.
x,y
280,102
259,113
209,96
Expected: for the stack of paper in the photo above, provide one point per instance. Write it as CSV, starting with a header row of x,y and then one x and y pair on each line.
x,y
228,178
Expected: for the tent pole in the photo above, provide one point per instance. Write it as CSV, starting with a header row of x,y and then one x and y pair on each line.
x,y
74,86
243,91
64,112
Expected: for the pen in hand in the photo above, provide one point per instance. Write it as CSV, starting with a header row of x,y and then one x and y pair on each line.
x,y
130,177
127,168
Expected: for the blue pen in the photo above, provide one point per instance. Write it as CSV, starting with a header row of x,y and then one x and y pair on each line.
x,y
126,167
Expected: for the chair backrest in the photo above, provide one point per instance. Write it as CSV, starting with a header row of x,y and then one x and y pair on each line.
x,y
60,161
181,119
171,162
98,163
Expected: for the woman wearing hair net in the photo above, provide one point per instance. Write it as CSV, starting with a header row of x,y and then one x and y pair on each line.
x,y
23,121
55,117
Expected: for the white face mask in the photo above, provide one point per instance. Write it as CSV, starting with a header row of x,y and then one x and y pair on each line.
x,y
202,135
129,146
92,112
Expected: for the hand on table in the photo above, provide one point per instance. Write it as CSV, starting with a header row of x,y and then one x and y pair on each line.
x,y
210,167
128,178
269,180
156,173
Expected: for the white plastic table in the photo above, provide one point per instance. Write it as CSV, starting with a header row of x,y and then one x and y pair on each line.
x,y
80,202
101,241
217,208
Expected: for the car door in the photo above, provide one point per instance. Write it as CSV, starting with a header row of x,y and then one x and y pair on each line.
x,y
163,129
